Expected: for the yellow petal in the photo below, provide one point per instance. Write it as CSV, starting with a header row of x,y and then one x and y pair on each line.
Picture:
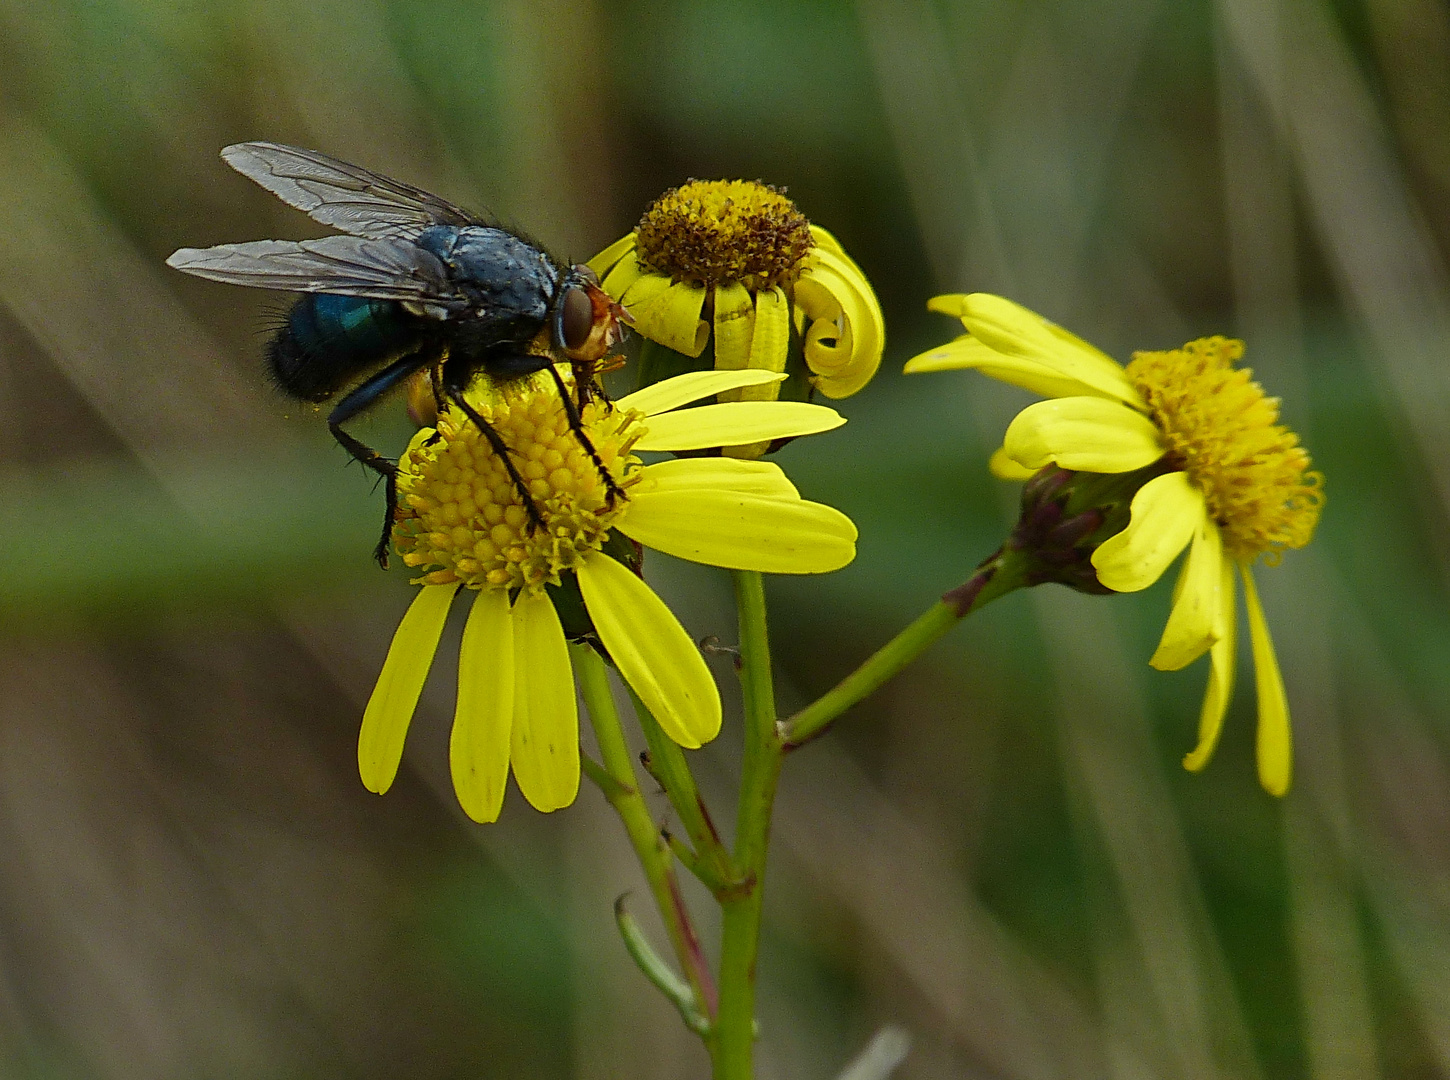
x,y
1091,434
651,650
668,312
771,343
827,240
544,746
1274,743
769,348
736,422
967,352
761,478
953,304
682,389
478,750
1165,513
1012,329
1222,658
1193,624
390,709
624,274
734,322
741,532
1004,468
832,290
602,263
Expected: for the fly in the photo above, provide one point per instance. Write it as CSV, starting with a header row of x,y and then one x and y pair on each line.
x,y
417,284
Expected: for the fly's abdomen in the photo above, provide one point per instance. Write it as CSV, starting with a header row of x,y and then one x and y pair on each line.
x,y
329,340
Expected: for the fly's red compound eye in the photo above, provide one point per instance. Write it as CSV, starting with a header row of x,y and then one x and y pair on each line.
x,y
577,318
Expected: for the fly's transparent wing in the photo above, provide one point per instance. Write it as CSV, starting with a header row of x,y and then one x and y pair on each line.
x,y
345,265
347,197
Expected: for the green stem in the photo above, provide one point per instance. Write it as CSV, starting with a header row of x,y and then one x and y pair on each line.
x,y
733,1036
653,852
996,577
668,765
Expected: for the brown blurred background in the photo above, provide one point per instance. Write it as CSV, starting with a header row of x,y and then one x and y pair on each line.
x,y
1001,853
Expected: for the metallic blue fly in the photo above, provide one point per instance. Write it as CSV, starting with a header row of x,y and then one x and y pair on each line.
x,y
418,285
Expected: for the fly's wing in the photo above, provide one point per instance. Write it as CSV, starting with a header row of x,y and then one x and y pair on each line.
x,y
347,197
344,265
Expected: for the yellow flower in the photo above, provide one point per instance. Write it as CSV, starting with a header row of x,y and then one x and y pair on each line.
x,y
462,520
739,254
1236,485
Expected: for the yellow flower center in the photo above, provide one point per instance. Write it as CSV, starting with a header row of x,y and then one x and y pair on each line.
x,y
1224,432
724,230
460,512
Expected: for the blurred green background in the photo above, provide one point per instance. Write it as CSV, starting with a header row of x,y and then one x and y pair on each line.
x,y
1000,853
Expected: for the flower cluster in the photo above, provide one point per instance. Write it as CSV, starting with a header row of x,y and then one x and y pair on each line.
x,y
1232,484
738,257
464,523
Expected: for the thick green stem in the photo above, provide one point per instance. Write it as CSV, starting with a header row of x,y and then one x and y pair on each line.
x,y
996,577
733,1036
653,852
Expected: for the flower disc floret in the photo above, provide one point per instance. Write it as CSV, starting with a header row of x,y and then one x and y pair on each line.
x,y
462,518
1224,431
711,231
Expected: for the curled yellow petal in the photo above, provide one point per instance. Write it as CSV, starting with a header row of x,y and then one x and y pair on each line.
x,y
827,240
651,650
967,352
544,742
843,347
668,312
1194,622
1274,742
1004,468
741,531
1165,513
1222,658
760,478
390,709
769,345
622,276
478,749
1012,329
1091,434
605,261
734,325
769,348
692,386
736,422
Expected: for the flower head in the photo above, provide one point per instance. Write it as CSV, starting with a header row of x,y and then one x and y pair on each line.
x,y
463,522
1222,478
739,255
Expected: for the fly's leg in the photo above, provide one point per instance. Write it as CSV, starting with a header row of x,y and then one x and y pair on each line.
x,y
354,403
576,425
495,440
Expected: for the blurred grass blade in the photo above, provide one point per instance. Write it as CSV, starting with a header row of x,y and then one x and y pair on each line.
x,y
880,1057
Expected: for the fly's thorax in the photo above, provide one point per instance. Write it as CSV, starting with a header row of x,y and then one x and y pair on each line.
x,y
505,277
461,518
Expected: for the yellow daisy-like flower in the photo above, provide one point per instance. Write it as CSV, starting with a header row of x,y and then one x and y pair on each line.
x,y
739,254
463,521
1236,485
